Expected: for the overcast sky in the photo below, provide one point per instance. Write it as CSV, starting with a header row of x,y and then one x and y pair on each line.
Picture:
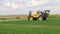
x,y
16,7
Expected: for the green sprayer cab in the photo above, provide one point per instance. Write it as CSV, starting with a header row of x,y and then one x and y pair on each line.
x,y
47,12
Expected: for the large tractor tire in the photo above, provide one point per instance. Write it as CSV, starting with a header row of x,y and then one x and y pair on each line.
x,y
30,18
40,18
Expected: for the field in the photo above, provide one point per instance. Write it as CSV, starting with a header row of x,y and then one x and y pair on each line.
x,y
50,26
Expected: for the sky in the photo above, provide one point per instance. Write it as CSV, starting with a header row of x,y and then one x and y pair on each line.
x,y
17,7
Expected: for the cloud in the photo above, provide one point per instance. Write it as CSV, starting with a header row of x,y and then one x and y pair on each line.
x,y
11,5
56,1
37,3
20,1
54,9
26,5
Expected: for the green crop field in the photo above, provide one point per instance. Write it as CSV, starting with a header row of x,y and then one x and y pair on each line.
x,y
50,26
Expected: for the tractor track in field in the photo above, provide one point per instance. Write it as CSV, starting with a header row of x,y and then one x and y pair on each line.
x,y
32,26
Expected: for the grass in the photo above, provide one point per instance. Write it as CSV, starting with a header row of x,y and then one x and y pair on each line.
x,y
50,21
27,30
50,26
